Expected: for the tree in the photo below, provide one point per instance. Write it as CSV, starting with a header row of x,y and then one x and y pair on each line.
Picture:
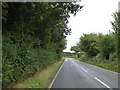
x,y
76,49
107,46
116,28
89,44
34,36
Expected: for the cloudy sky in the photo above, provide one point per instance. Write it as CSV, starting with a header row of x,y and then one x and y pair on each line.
x,y
94,17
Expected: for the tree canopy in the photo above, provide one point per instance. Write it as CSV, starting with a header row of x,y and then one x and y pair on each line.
x,y
34,36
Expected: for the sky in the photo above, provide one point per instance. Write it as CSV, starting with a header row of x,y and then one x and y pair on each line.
x,y
94,17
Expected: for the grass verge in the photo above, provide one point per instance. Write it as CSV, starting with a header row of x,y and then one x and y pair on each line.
x,y
109,65
41,79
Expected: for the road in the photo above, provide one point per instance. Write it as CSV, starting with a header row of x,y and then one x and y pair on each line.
x,y
76,74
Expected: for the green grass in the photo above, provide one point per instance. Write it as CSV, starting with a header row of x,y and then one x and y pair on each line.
x,y
41,79
106,64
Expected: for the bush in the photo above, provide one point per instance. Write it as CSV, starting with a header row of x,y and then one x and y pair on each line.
x,y
112,57
23,60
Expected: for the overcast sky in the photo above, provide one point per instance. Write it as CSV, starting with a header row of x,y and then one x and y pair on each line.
x,y
95,17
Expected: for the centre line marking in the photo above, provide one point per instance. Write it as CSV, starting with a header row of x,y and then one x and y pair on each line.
x,y
103,83
83,69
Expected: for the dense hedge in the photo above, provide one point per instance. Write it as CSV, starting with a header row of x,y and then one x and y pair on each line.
x,y
34,36
21,60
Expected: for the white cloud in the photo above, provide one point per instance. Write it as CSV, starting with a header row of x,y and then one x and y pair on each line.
x,y
95,16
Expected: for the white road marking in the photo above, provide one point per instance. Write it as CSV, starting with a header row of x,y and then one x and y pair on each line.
x,y
102,83
57,74
83,69
97,67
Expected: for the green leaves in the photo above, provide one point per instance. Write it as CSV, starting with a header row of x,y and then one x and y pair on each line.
x,y
33,36
75,48
93,44
116,28
89,44
107,46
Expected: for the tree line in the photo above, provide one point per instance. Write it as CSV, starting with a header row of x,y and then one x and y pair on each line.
x,y
33,36
100,47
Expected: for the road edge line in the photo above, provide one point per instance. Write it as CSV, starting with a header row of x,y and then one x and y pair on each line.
x,y
56,74
97,66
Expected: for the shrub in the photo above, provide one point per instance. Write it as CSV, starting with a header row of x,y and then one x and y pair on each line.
x,y
112,57
23,60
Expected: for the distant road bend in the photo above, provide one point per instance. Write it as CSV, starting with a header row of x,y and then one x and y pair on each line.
x,y
76,74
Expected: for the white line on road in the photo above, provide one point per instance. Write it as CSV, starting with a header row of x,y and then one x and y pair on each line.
x,y
57,74
103,83
83,69
97,67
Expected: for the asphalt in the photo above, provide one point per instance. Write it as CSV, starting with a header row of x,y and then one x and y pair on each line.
x,y
76,74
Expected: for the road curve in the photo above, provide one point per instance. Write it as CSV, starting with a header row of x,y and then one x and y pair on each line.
x,y
76,74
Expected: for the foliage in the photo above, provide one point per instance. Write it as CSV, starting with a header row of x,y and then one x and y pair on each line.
x,y
75,48
33,36
89,44
99,50
96,44
93,44
41,79
107,46
116,28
